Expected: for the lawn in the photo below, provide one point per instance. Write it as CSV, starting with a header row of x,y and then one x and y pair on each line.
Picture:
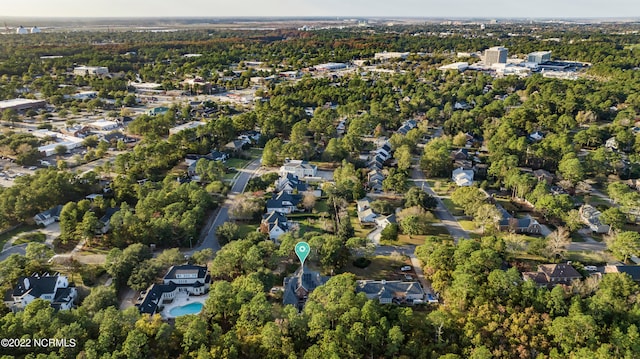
x,y
381,267
255,152
10,234
245,229
588,257
467,225
38,237
455,210
321,206
313,225
440,186
237,162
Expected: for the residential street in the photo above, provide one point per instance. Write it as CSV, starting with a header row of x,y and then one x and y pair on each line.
x,y
448,220
221,214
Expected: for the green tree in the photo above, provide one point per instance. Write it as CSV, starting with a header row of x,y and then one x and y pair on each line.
x,y
487,216
624,245
227,232
614,217
270,155
436,160
404,157
469,198
418,197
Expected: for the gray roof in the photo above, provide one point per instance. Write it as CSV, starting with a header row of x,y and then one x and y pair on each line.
x,y
52,212
175,270
274,219
35,285
305,278
386,289
277,200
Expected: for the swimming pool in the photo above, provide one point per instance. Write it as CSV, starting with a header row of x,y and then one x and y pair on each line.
x,y
191,308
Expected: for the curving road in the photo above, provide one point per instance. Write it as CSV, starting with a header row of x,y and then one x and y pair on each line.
x,y
221,214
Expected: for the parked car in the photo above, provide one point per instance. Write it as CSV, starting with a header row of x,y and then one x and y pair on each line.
x,y
591,268
408,277
431,298
406,268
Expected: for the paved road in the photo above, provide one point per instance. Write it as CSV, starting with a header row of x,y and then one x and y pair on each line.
x,y
221,215
448,220
19,249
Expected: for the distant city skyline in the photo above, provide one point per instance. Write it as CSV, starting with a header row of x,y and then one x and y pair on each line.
x,y
326,8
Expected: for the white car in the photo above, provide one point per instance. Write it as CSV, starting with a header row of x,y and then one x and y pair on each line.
x,y
591,268
406,268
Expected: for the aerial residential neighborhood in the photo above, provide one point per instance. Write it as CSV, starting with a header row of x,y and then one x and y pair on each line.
x,y
463,187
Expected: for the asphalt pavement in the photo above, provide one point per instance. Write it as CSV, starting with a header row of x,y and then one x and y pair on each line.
x,y
448,220
221,214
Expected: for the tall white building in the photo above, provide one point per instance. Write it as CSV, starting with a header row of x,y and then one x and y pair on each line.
x,y
495,55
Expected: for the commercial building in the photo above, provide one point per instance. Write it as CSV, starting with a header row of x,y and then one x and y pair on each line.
x,y
457,66
331,66
390,55
90,71
539,57
495,55
103,125
20,104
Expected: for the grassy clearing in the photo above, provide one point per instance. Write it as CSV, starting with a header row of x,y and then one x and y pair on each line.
x,y
455,210
38,237
588,257
467,225
381,267
321,206
245,229
441,186
254,152
10,234
237,162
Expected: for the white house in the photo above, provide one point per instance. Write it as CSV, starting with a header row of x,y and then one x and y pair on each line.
x,y
591,217
52,288
462,177
275,224
299,168
190,279
49,216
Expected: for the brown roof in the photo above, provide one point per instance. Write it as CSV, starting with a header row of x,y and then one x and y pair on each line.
x,y
559,271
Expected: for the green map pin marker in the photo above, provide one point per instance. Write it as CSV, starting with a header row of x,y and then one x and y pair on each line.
x,y
302,251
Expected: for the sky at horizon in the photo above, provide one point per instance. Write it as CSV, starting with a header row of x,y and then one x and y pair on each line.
x,y
328,8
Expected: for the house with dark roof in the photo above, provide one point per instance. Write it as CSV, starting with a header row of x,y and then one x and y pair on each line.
x,y
407,126
283,202
235,145
551,274
543,175
518,225
52,288
298,287
460,154
105,220
290,183
49,216
275,224
187,278
632,271
387,292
